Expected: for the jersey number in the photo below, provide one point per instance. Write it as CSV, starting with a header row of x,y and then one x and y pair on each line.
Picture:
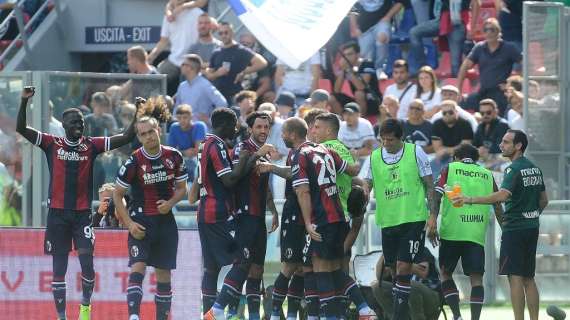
x,y
326,168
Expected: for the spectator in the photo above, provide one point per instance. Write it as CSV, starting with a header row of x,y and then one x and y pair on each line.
x,y
450,92
179,31
137,61
362,79
388,109
274,138
417,129
262,80
55,126
515,114
534,90
186,135
310,118
509,13
197,91
245,101
449,25
127,112
495,58
356,132
285,103
230,63
448,133
491,130
403,89
428,91
106,216
206,43
319,99
101,122
371,23
301,81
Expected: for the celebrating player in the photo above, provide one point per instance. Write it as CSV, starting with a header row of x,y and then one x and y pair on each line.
x,y
401,176
216,178
70,161
463,228
251,234
156,175
524,194
314,170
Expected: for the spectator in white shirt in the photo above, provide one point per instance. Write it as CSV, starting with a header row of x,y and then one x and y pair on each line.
x,y
515,114
450,92
403,89
356,132
428,91
301,81
179,31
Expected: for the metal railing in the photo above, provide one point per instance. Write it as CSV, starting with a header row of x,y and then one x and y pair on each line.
x,y
23,28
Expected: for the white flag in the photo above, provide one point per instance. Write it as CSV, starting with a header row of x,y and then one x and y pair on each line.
x,y
293,30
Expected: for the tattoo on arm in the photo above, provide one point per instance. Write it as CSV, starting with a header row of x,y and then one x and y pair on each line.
x,y
430,191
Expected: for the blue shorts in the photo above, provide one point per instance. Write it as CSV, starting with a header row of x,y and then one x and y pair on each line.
x,y
518,252
159,246
65,227
251,236
292,240
472,256
332,245
218,244
403,242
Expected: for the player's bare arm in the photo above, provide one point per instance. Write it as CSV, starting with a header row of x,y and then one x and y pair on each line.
x,y
495,197
273,209
247,162
128,135
352,169
29,133
164,206
135,229
433,206
282,171
543,201
194,192
304,197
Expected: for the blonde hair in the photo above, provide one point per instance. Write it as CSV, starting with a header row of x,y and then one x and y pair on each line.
x,y
107,187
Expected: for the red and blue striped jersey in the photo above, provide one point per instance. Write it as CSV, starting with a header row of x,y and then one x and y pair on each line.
x,y
251,190
151,178
317,166
216,201
291,210
71,169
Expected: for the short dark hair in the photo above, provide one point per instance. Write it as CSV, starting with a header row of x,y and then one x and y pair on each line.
x,y
466,150
195,61
311,116
331,119
227,24
296,125
393,126
519,137
70,111
250,120
223,117
244,94
351,44
400,63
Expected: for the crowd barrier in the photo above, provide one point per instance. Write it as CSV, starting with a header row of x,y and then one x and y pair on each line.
x,y
25,277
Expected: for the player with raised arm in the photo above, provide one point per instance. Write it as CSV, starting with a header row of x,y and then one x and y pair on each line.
x,y
314,169
156,175
217,177
70,162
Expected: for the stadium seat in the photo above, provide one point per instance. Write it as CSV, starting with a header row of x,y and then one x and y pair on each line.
x,y
536,57
346,89
395,53
484,14
402,32
487,3
444,69
383,84
325,84
467,88
473,74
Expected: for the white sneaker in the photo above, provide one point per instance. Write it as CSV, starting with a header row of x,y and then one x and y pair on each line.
x,y
368,315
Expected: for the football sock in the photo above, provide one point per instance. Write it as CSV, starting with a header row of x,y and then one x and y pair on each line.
x,y
252,291
134,293
401,293
87,278
294,296
477,297
311,295
163,300
58,285
348,287
279,293
325,287
451,296
209,289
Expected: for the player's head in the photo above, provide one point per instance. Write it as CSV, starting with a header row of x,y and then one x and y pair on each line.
x,y
391,133
73,124
310,118
224,122
514,144
259,124
294,132
326,127
148,132
466,151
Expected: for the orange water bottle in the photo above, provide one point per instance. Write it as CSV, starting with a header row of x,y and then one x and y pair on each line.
x,y
454,192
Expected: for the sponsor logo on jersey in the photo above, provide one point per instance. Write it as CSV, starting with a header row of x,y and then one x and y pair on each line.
x,y
70,155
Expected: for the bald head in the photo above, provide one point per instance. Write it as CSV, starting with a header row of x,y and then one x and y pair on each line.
x,y
297,126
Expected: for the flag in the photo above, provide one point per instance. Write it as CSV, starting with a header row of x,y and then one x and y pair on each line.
x,y
293,30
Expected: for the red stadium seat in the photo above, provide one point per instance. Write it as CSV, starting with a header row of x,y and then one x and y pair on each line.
x,y
444,69
325,84
467,88
484,14
487,3
346,89
383,84
536,57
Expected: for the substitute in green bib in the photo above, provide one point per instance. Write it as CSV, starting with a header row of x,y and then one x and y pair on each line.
x,y
463,228
401,176
525,197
